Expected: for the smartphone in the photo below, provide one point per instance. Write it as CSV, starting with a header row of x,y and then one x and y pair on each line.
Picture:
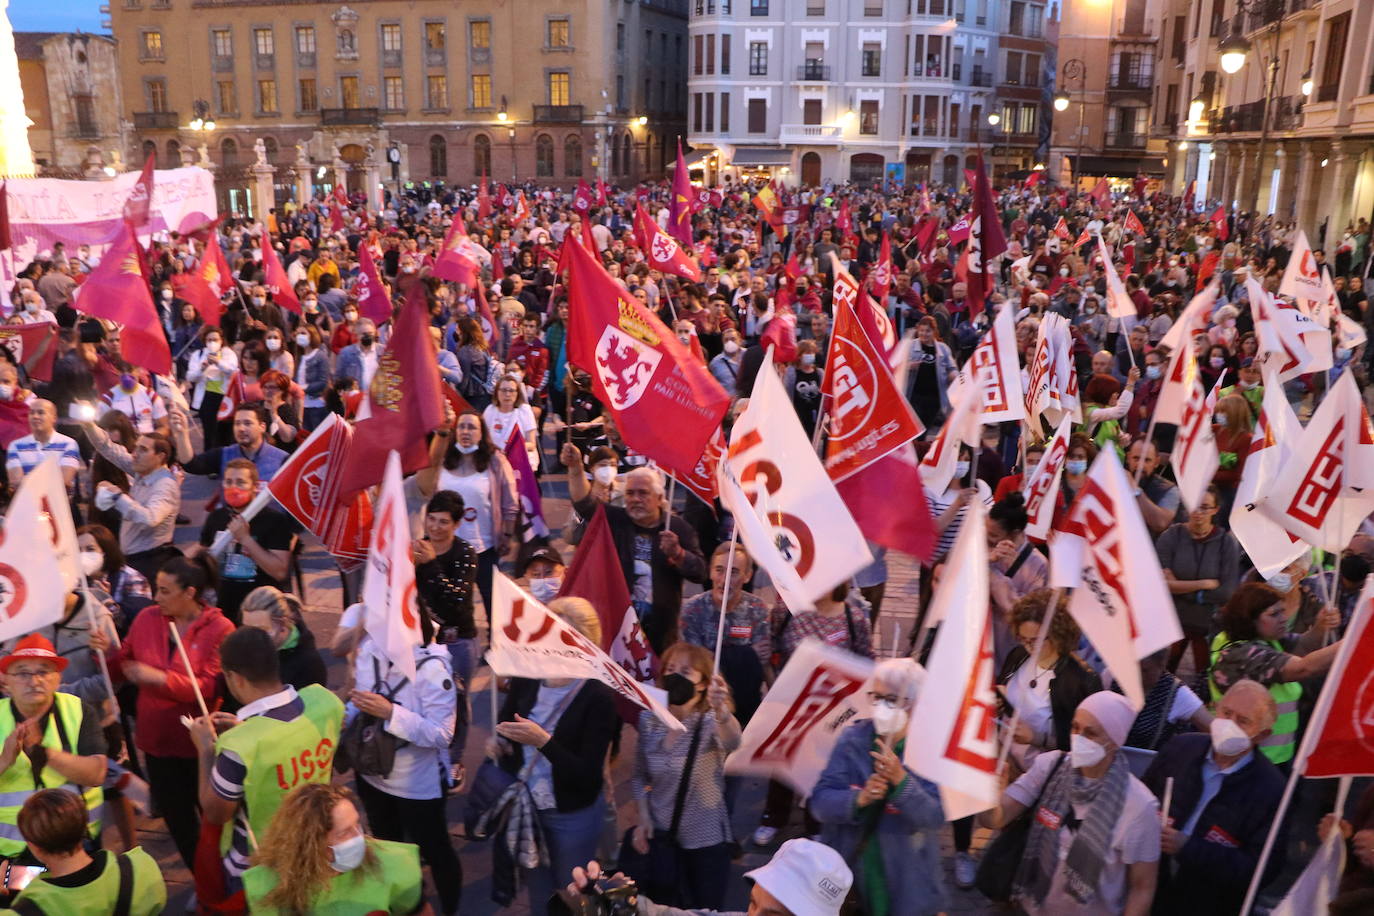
x,y
22,875
83,412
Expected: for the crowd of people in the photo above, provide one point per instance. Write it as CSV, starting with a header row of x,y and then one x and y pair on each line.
x,y
247,755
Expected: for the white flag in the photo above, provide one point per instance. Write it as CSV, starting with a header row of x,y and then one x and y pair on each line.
x,y
963,426
952,734
790,516
1041,489
33,589
995,364
1193,320
1312,893
529,640
1106,554
1119,303
390,615
1302,278
43,495
1327,489
1291,340
820,691
1268,545
1052,381
1195,457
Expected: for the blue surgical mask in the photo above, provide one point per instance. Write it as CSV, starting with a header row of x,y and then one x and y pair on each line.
x,y
808,360
1154,372
1280,582
961,469
1076,467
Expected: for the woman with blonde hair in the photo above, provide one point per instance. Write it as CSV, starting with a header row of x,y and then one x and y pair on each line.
x,y
316,858
511,415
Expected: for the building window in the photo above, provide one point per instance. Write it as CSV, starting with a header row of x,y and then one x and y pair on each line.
x,y
698,54
620,36
872,59
560,89
436,91
868,117
758,7
710,55
758,116
391,37
85,116
559,33
394,92
306,94
262,42
224,97
228,153
873,8
758,58
1337,34
348,91
305,39
152,45
543,156
481,90
725,54
710,112
811,111
438,157
222,40
157,94
434,36
267,96
479,35
174,152
572,157
1013,76
815,7
696,112
725,112
481,155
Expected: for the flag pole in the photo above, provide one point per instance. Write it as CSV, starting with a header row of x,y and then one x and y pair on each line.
x,y
1168,801
1034,659
191,672
725,597
668,512
92,623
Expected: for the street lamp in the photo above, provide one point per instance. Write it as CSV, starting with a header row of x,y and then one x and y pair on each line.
x,y
1234,51
642,120
502,115
994,119
1306,87
1074,70
1061,101
203,119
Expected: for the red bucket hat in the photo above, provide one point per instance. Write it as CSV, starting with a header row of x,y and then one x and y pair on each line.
x,y
32,646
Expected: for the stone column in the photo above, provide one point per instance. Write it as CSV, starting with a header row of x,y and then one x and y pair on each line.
x,y
304,175
1336,181
1236,181
1302,192
1283,194
264,190
373,176
340,171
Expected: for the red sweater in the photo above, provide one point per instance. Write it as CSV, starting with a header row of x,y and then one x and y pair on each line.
x,y
160,708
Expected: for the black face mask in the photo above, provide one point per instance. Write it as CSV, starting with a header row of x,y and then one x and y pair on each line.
x,y
367,340
681,691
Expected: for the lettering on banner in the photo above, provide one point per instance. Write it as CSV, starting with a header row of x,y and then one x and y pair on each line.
x,y
973,739
825,689
1322,483
975,245
1095,511
846,292
985,371
1196,426
381,561
849,392
1044,475
306,764
1039,377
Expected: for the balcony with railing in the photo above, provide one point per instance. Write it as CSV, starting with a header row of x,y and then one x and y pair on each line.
x,y
350,117
1125,140
557,114
980,78
809,133
1033,28
1269,12
813,72
1131,82
1285,114
155,120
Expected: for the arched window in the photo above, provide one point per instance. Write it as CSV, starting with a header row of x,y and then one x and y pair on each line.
x,y
481,155
150,149
228,153
572,156
173,153
615,155
438,157
627,154
543,156
270,143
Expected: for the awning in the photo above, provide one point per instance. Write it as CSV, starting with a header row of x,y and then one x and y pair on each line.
x,y
1125,167
693,158
747,157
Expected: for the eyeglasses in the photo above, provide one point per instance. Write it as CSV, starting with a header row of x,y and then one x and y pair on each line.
x,y
890,700
29,675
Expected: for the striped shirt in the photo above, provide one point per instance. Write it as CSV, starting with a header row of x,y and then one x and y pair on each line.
x,y
28,453
939,502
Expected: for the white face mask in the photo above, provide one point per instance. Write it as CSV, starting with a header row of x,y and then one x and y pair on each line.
x,y
685,339
349,854
92,561
1280,582
1063,271
808,360
961,469
1085,752
273,344
545,590
1228,738
258,301
31,306
166,295
889,721
604,474
213,345
731,347
1153,372
302,340
6,392
465,449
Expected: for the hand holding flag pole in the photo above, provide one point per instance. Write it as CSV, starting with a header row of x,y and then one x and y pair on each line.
x,y
725,597
190,672
1034,659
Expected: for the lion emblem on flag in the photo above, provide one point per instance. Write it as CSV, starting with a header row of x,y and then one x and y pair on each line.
x,y
663,247
625,367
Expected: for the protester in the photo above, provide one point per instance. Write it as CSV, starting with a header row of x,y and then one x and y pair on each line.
x,y
148,506
746,638
280,615
1201,565
27,452
258,552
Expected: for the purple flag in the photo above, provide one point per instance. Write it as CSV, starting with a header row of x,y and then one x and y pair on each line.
x,y
531,502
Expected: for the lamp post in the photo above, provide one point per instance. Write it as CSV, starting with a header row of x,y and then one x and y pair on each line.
x,y
1235,50
203,120
1074,70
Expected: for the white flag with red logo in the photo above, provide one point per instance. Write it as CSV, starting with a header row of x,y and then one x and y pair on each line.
x,y
1194,320
963,426
994,361
790,517
1269,545
1295,342
1119,303
952,733
33,589
1105,554
820,691
529,640
871,315
1195,457
43,494
390,614
1052,386
1302,278
868,417
1326,489
1061,229
1041,489
1338,741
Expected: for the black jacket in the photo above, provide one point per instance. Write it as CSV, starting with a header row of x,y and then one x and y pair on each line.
x,y
1211,872
577,749
444,586
1073,683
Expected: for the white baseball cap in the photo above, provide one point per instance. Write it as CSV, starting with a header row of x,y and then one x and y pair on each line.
x,y
807,877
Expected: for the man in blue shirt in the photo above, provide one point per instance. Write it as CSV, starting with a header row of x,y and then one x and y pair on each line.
x,y
251,422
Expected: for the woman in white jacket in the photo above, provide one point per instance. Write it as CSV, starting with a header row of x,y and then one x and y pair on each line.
x,y
209,371
407,805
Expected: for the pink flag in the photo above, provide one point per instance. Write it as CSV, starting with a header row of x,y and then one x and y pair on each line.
x,y
531,500
115,290
275,278
373,302
902,525
959,231
680,209
390,615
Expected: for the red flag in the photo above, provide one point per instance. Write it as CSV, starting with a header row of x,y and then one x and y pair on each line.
x,y
34,346
336,218
701,480
970,178
307,485
5,241
234,395
601,200
275,278
766,201
881,278
459,260
138,205
404,402
14,421
1032,180
986,242
1133,224
959,231
595,575
1083,239
522,209
116,291
1338,742
373,301
506,196
661,250
483,199
195,288
582,198
220,278
1207,268
1189,195
792,268
1102,192
340,196
1061,229
1219,221
680,209
906,527
527,488
1138,186
664,402
781,335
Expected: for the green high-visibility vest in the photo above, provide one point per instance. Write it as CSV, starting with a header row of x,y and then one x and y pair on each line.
x,y
17,783
148,896
1281,745
393,886
279,756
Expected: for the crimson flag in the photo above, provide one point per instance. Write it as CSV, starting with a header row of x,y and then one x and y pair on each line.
x,y
373,301
665,404
460,258
340,196
483,199
701,480
881,278
1189,195
1061,229
582,198
336,218
680,210
195,288
404,402
661,250
1219,220
1338,742
116,291
970,178
1102,192
986,242
601,200
14,421
1032,180
781,335
275,279
139,204
1133,224
307,486
34,346
960,230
